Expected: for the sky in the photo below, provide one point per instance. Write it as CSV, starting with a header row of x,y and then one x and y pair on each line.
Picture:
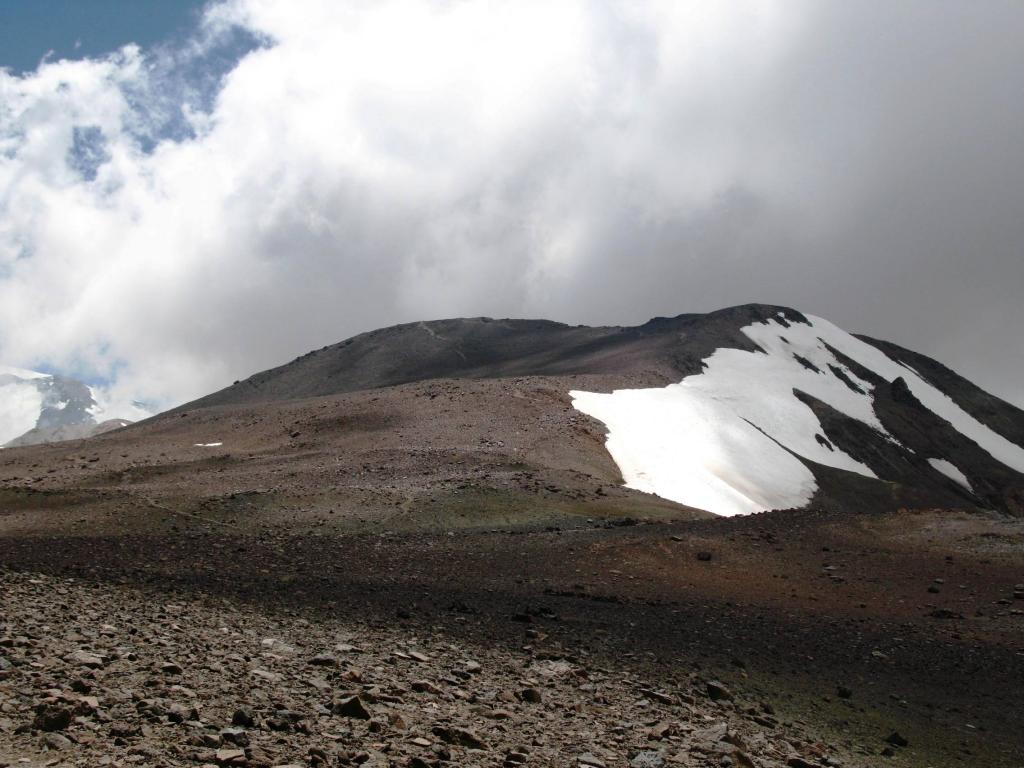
x,y
31,30
197,193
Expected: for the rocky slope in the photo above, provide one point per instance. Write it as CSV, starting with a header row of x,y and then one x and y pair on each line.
x,y
204,645
144,678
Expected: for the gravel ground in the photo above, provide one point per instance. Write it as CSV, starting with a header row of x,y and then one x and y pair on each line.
x,y
105,674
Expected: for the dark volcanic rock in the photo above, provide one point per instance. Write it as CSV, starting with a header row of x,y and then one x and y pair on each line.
x,y
52,717
487,348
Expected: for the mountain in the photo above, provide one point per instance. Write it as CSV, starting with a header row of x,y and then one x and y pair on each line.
x,y
41,408
742,410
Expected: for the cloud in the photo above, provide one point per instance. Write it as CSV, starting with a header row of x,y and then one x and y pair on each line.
x,y
171,220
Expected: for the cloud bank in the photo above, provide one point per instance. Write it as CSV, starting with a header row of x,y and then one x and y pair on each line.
x,y
297,172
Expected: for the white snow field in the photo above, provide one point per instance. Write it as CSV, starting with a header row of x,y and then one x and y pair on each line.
x,y
950,471
726,440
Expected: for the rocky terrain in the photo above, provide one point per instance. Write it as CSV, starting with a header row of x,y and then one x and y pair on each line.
x,y
133,678
787,639
450,571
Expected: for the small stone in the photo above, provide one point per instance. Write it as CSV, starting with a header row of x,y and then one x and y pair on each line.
x,y
531,695
462,736
50,717
230,756
56,741
236,736
170,668
659,731
843,692
84,659
591,760
243,717
324,660
704,556
896,739
717,691
263,674
352,707
425,686
179,713
122,730
647,759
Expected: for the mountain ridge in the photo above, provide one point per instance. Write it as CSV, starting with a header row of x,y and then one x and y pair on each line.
x,y
894,441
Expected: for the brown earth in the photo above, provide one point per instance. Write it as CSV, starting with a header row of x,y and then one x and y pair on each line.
x,y
486,515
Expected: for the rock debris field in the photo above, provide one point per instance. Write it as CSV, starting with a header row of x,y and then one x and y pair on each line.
x,y
97,674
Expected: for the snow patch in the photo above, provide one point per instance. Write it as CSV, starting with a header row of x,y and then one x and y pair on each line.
x,y
730,438
208,445
950,471
687,445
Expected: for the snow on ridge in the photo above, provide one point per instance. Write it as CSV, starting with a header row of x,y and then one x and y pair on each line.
x,y
952,472
932,398
22,373
727,439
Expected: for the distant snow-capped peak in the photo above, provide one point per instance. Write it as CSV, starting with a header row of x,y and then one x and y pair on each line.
x,y
39,407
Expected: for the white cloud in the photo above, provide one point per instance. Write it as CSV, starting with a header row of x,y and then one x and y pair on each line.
x,y
372,163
